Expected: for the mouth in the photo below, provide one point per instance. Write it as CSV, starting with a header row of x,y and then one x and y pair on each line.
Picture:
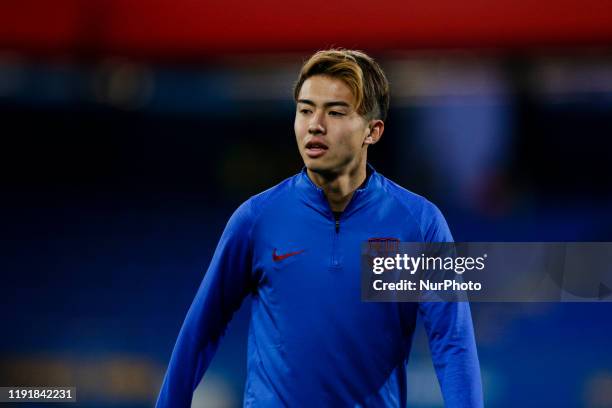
x,y
315,149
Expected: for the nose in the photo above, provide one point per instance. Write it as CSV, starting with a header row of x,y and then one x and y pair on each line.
x,y
316,125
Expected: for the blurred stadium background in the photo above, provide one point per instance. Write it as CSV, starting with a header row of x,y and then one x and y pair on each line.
x,y
132,129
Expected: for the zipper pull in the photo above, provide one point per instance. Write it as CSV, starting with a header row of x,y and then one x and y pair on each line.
x,y
337,226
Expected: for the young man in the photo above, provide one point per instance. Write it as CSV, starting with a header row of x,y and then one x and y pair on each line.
x,y
296,250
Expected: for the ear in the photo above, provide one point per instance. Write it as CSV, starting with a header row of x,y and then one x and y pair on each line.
x,y
376,129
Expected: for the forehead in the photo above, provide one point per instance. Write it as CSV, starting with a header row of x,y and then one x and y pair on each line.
x,y
323,88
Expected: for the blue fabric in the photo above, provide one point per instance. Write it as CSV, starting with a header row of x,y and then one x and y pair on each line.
x,y
312,342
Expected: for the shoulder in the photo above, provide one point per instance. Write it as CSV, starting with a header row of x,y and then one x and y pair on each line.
x,y
271,197
250,210
426,214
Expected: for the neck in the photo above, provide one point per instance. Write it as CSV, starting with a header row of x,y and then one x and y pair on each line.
x,y
339,188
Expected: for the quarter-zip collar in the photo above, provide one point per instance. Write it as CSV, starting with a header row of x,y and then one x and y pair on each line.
x,y
314,196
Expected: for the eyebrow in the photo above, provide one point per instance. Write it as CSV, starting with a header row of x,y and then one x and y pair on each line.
x,y
326,104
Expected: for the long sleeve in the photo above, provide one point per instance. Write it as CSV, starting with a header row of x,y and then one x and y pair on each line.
x,y
451,338
226,283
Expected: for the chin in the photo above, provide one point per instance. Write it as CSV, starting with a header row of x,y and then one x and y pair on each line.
x,y
325,171
315,165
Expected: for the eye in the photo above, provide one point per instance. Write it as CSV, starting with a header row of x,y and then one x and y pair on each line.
x,y
336,113
305,111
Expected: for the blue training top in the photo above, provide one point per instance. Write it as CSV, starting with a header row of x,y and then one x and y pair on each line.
x,y
312,341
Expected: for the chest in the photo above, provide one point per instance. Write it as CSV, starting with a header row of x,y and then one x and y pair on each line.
x,y
311,251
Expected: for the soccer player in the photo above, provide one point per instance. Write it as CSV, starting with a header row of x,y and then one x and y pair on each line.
x,y
296,249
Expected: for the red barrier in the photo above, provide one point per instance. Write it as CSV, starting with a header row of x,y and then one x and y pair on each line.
x,y
193,28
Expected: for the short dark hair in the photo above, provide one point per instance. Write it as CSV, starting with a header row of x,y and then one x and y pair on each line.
x,y
359,71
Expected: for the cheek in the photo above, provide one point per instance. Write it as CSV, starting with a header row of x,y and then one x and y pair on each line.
x,y
299,128
357,136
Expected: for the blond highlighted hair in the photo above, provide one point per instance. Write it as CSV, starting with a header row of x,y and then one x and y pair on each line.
x,y
364,77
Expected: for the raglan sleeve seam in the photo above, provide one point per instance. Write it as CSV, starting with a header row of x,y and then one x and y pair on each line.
x,y
409,210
